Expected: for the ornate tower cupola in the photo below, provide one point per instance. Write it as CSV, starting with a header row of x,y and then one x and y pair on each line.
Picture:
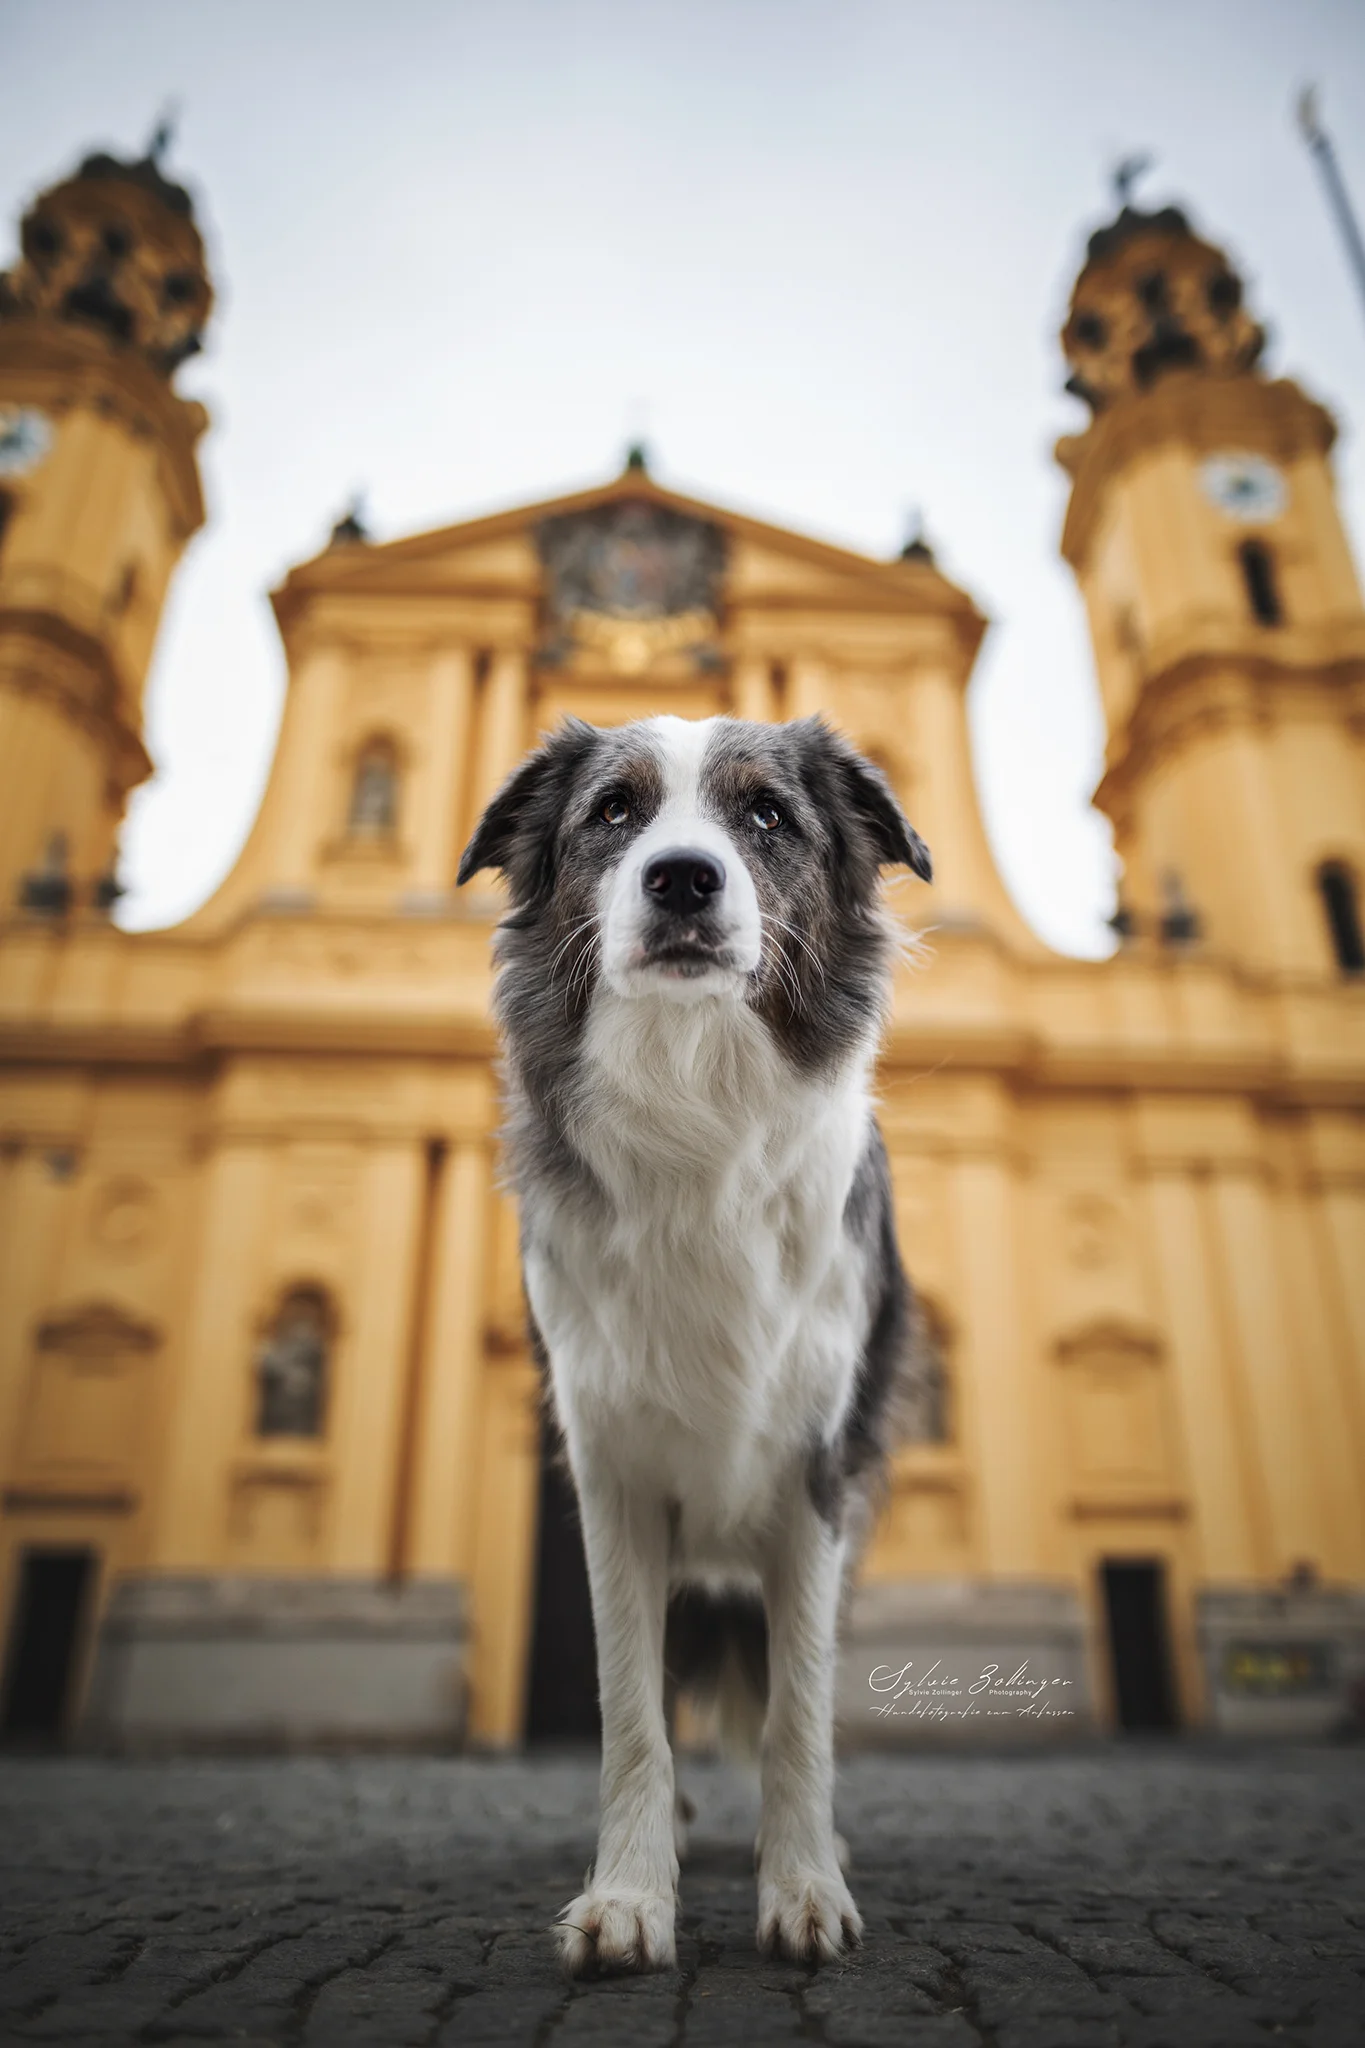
x,y
99,491
1224,607
1153,298
116,250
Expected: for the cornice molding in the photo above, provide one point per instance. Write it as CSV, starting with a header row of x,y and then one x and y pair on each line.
x,y
1192,687
44,655
1023,1062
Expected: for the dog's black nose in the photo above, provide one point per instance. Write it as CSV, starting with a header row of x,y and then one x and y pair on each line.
x,y
683,881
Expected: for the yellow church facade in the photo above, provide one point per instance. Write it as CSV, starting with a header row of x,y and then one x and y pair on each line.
x,y
271,1454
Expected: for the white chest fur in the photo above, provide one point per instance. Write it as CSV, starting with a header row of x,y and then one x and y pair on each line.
x,y
704,1321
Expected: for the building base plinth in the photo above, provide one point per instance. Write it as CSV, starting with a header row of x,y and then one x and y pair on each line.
x,y
962,1661
219,1663
1284,1663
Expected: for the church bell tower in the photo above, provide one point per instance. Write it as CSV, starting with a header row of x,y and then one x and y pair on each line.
x,y
99,492
1225,612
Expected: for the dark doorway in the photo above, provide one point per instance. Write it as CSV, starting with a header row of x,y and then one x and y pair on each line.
x,y
50,1609
561,1703
1139,1643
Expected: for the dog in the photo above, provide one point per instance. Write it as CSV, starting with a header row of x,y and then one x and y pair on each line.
x,y
691,985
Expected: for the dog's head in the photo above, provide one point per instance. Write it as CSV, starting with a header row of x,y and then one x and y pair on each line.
x,y
683,862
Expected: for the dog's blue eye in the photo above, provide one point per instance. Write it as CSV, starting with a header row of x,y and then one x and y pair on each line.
x,y
766,816
615,811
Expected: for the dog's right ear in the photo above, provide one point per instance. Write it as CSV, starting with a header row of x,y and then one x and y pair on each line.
x,y
517,833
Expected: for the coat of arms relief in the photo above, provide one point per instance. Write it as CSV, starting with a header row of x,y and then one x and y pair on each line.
x,y
631,582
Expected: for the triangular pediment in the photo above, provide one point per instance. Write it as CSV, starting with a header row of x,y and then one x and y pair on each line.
x,y
765,565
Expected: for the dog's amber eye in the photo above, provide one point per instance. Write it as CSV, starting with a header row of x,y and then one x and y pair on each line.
x,y
615,811
766,815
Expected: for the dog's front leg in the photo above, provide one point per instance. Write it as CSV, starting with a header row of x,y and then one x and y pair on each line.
x,y
805,1909
624,1919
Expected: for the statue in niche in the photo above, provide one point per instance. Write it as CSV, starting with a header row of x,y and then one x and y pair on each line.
x,y
374,793
291,1368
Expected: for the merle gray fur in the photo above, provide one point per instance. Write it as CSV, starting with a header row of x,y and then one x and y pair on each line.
x,y
824,976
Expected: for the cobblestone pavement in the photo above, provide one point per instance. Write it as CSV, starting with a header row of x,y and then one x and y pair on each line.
x,y
1163,1898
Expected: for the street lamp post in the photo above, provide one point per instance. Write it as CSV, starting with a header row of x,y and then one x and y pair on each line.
x,y
1319,142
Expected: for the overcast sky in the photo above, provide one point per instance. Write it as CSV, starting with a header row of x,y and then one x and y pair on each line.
x,y
816,253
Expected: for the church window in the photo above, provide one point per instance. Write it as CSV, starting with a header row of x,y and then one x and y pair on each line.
x,y
292,1366
374,791
1154,291
1341,904
1262,586
42,240
929,1417
1224,294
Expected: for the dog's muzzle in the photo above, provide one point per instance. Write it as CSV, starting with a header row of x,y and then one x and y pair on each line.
x,y
684,891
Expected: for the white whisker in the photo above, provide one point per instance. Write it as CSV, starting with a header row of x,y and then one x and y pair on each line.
x,y
816,962
564,944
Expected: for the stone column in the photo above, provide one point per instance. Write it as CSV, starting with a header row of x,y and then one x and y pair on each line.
x,y
213,1368
502,726
1333,1223
1220,1452
753,690
504,1561
1251,1284
808,688
450,692
445,1460
1341,1237
373,1359
998,1363
1332,1404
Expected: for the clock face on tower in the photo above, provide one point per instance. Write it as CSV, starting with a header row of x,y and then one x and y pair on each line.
x,y
25,437
1244,486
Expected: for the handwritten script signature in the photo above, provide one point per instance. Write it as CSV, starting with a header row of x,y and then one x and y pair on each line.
x,y
938,1695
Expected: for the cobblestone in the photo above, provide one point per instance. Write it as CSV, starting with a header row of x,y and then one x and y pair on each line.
x,y
1133,1897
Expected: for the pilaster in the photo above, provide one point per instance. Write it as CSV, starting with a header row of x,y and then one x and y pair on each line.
x,y
366,1432
450,691
213,1369
445,1467
996,1358
501,728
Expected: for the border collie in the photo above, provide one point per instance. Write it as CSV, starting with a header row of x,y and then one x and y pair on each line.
x,y
692,983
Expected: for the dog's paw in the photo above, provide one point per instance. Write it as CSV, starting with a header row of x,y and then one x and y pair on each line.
x,y
608,1933
808,1916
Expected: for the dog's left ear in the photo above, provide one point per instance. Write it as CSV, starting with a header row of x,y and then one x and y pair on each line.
x,y
517,833
867,793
